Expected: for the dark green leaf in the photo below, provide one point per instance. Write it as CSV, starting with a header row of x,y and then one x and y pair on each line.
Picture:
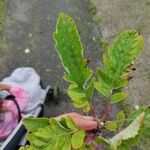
x,y
70,50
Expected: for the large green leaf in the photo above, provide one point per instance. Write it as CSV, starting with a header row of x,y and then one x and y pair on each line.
x,y
33,124
124,51
117,59
54,135
70,50
128,133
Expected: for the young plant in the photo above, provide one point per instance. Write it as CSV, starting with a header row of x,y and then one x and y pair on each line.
x,y
50,134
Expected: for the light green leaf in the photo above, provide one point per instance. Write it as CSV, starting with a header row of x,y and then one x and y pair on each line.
x,y
77,139
124,51
124,147
80,96
70,50
32,124
75,95
117,97
46,139
57,135
70,123
69,47
26,148
130,132
80,104
117,59
112,126
22,148
120,118
104,90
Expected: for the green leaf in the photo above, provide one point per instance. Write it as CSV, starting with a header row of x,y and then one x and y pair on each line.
x,y
69,47
124,147
117,59
130,143
100,139
26,148
146,129
70,123
57,135
130,132
124,51
104,142
75,95
22,148
32,124
104,90
70,50
117,97
77,139
112,126
86,147
46,138
80,96
120,118
134,114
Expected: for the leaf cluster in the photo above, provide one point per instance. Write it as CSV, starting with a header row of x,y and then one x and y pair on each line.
x,y
118,60
49,134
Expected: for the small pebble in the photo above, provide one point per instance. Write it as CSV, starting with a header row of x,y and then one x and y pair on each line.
x,y
102,124
136,107
30,35
47,70
27,51
94,38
